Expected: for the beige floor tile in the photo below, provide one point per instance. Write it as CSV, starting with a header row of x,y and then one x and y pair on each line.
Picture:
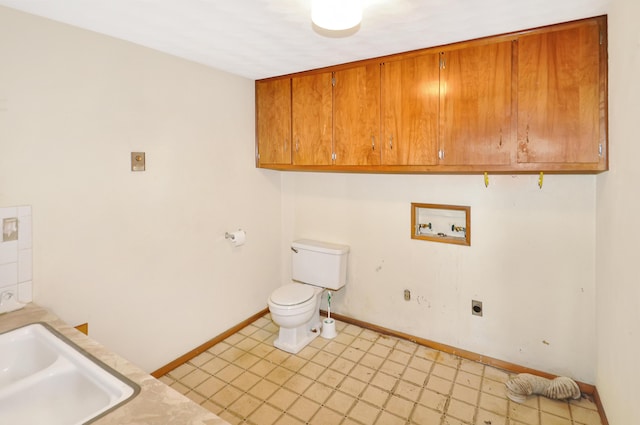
x,y
182,371
195,397
288,420
524,414
585,402
167,380
247,361
263,390
303,409
210,387
361,344
318,392
494,404
326,416
380,350
415,376
444,372
323,358
234,339
406,346
363,373
229,373
448,359
427,353
387,418
319,343
226,396
399,406
249,329
213,407
247,344
277,356
384,381
311,370
549,419
393,368
450,420
433,400
585,416
219,348
372,361
342,365
245,381
308,352
331,378
472,367
421,364
294,363
375,396
262,335
298,383
555,407
466,394
340,402
399,356
461,410
262,368
439,385
201,359
283,398
230,417
469,379
494,388
265,415
245,405
364,412
374,336
335,347
408,390
352,330
214,365
352,354
424,416
352,386
484,417
195,378
279,375
496,374
232,354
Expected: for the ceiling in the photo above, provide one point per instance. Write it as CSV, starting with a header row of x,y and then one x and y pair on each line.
x,y
264,38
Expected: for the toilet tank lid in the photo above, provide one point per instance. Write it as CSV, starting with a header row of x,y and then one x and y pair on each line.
x,y
319,246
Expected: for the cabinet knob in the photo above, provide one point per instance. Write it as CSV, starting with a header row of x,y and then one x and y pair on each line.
x,y
391,142
373,143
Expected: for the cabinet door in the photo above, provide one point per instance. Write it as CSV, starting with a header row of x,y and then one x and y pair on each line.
x,y
559,96
273,121
312,119
475,105
356,123
410,102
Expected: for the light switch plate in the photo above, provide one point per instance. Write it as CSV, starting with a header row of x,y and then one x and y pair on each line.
x,y
137,161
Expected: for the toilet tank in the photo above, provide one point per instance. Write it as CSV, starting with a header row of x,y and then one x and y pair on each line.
x,y
319,263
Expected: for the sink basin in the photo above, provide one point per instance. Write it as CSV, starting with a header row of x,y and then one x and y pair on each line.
x,y
47,379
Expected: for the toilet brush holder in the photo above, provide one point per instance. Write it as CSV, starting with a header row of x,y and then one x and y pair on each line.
x,y
328,328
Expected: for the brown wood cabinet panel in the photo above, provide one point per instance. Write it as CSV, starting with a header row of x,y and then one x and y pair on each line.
x,y
475,105
559,96
312,119
410,102
356,115
273,121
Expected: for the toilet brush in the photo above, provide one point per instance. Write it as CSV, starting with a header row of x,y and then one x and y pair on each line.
x,y
328,304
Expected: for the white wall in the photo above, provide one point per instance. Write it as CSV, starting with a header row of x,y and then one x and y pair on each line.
x,y
618,209
531,261
140,256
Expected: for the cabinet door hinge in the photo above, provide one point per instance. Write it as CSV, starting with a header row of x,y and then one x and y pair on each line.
x,y
442,61
333,80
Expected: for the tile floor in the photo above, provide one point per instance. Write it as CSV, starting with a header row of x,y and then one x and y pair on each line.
x,y
359,377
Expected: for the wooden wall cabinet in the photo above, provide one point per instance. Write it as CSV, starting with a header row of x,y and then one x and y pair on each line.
x,y
529,101
273,122
560,96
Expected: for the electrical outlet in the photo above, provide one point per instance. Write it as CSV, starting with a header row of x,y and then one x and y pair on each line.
x,y
476,308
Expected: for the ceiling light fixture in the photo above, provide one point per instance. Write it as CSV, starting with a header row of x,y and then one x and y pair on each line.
x,y
336,15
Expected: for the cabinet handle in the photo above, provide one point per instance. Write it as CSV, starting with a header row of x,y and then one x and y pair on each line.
x,y
391,142
441,154
373,143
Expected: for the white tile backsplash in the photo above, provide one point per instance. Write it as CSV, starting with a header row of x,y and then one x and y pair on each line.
x,y
16,257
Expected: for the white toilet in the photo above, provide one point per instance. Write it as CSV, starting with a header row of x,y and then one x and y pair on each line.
x,y
295,307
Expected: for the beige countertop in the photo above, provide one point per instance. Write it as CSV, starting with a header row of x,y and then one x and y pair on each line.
x,y
156,404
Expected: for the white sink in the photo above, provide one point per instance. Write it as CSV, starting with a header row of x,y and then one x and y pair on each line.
x,y
47,379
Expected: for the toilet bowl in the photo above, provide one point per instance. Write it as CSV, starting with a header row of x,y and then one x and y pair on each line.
x,y
295,307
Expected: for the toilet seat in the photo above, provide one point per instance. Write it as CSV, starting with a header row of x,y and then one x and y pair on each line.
x,y
292,294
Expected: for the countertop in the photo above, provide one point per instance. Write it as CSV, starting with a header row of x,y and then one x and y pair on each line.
x,y
156,404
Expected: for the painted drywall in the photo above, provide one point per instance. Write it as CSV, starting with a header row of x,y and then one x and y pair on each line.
x,y
618,209
141,256
531,261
